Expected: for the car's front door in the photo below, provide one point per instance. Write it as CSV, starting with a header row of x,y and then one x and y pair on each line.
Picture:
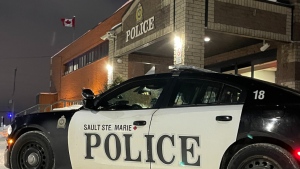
x,y
115,137
200,123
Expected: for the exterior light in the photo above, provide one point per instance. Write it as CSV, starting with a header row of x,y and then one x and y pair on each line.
x,y
297,153
9,130
206,39
119,60
109,74
177,42
265,46
178,48
109,68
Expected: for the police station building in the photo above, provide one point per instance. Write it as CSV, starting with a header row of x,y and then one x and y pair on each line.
x,y
254,38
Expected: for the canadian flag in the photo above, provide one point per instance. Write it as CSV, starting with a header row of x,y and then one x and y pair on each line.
x,y
68,22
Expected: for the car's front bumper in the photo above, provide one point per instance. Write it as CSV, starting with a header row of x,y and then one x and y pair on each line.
x,y
6,158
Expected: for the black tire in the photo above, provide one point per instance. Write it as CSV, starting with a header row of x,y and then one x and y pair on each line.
x,y
262,155
32,150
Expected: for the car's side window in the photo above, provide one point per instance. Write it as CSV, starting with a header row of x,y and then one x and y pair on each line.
x,y
196,92
141,95
230,95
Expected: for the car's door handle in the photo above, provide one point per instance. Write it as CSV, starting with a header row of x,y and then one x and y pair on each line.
x,y
224,118
139,123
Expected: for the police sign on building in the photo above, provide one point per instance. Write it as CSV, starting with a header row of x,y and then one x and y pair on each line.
x,y
142,27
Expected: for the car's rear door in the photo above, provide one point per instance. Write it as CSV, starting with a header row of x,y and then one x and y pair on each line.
x,y
115,137
199,124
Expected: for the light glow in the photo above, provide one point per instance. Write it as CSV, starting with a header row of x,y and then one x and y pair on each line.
x,y
296,153
9,130
177,42
10,141
109,68
178,47
206,39
109,74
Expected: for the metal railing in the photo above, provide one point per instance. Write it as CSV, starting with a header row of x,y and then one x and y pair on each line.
x,y
34,109
49,107
62,103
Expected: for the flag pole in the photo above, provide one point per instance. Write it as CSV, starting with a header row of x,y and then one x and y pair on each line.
x,y
74,28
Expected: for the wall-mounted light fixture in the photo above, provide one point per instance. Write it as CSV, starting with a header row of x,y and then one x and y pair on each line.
x,y
265,46
178,47
119,60
110,35
206,39
109,74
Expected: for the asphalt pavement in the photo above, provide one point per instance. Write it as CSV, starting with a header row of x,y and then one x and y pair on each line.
x,y
2,147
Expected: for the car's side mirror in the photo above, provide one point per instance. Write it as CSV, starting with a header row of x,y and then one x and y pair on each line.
x,y
88,100
88,94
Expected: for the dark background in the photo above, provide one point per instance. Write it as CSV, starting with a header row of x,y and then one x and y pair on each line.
x,y
31,32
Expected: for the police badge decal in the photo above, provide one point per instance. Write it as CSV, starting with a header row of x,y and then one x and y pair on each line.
x,y
61,122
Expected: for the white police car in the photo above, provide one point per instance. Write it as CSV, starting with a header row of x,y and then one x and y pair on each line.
x,y
187,118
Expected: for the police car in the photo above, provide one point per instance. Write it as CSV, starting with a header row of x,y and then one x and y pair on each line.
x,y
189,118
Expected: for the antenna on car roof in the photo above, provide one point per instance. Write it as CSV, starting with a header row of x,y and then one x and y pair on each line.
x,y
192,68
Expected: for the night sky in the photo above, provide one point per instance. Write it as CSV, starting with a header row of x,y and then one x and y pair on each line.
x,y
30,33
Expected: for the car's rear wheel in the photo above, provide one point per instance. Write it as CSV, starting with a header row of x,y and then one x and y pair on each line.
x,y
32,150
262,156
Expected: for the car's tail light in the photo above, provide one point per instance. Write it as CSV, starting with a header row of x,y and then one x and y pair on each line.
x,y
297,154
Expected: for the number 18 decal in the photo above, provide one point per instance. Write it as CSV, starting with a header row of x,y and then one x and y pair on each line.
x,y
259,94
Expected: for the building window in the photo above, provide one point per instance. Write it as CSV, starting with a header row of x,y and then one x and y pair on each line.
x,y
263,71
69,67
76,63
89,57
80,64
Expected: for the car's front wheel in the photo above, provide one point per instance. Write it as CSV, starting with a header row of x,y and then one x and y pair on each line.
x,y
262,156
32,150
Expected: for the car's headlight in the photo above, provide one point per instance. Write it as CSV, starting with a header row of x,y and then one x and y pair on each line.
x,y
9,129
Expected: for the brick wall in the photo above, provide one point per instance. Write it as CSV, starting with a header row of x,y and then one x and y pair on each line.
x,y
189,26
242,16
250,18
288,58
296,22
56,73
47,98
92,76
121,69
